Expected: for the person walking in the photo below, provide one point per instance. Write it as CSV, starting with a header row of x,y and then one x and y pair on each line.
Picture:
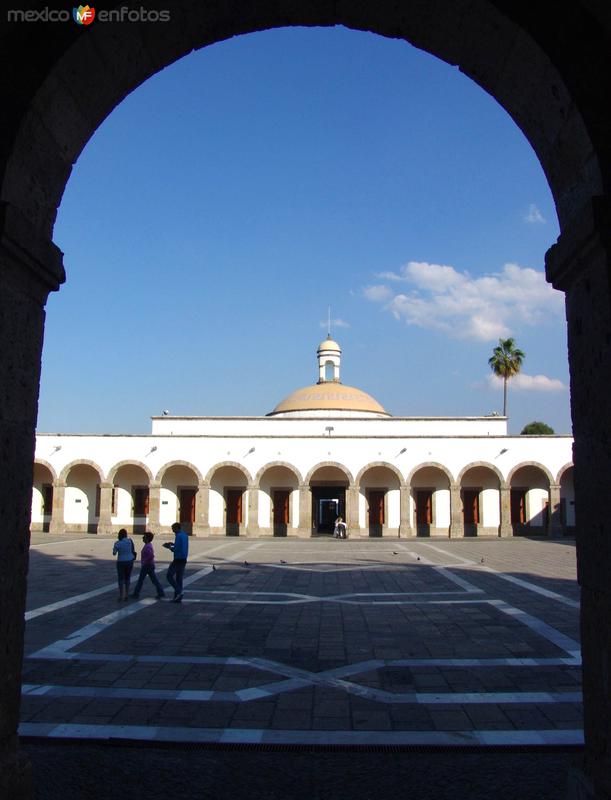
x,y
147,567
176,570
125,551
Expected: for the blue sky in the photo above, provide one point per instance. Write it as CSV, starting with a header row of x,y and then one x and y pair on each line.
x,y
223,206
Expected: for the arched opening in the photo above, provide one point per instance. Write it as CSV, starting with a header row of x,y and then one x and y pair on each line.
x,y
178,498
430,502
82,499
328,486
530,501
278,501
379,501
228,504
130,501
42,498
481,500
519,54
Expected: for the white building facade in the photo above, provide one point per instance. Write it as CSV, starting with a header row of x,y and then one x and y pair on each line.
x,y
327,450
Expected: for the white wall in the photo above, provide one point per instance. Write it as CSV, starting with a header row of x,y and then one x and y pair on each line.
x,y
37,504
80,496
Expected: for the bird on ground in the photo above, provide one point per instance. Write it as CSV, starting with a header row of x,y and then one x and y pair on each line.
x,y
246,563
282,562
394,552
213,568
417,558
482,561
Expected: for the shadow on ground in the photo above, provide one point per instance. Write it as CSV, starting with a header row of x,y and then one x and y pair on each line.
x,y
85,771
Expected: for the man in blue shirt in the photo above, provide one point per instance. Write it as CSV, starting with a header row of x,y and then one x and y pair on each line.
x,y
180,550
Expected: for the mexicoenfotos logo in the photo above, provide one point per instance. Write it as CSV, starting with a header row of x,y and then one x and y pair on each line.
x,y
83,15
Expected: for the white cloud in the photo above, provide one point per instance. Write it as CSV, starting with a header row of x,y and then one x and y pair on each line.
x,y
534,216
486,308
377,293
338,322
528,383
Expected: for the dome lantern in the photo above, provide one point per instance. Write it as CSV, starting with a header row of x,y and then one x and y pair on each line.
x,y
329,358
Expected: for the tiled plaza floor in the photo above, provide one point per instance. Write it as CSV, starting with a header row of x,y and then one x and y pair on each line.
x,y
371,642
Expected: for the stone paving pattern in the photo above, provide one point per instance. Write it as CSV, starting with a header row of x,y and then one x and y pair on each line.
x,y
392,618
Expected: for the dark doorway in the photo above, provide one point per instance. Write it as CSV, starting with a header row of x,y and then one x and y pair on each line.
x,y
186,507
233,499
141,507
280,505
47,505
424,511
470,502
518,510
376,511
328,503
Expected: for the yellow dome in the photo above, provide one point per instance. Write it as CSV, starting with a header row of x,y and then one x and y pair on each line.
x,y
329,344
329,396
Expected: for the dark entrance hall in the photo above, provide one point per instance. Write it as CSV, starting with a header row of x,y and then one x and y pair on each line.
x,y
328,503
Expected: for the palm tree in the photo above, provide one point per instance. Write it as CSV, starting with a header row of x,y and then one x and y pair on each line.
x,y
506,361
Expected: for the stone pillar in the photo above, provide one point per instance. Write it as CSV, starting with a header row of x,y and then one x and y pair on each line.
x,y
457,524
305,511
57,525
580,265
505,528
30,267
201,526
154,506
352,511
252,529
555,528
405,525
104,520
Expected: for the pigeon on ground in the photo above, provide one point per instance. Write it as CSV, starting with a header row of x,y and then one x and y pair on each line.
x,y
394,552
282,562
417,558
482,561
246,563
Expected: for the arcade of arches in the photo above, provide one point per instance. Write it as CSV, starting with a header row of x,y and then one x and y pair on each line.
x,y
380,502
547,64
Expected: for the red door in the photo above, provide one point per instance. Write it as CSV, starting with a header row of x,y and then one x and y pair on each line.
x,y
471,506
234,506
518,506
186,498
141,501
281,507
424,507
376,507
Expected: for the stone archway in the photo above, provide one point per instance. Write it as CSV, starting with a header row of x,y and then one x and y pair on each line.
x,y
231,510
530,498
81,502
480,487
431,499
277,485
548,66
178,484
379,488
329,492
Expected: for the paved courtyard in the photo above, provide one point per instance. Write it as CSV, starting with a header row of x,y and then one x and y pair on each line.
x,y
318,642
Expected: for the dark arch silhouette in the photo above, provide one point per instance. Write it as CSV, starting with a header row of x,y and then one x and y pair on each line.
x,y
547,64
